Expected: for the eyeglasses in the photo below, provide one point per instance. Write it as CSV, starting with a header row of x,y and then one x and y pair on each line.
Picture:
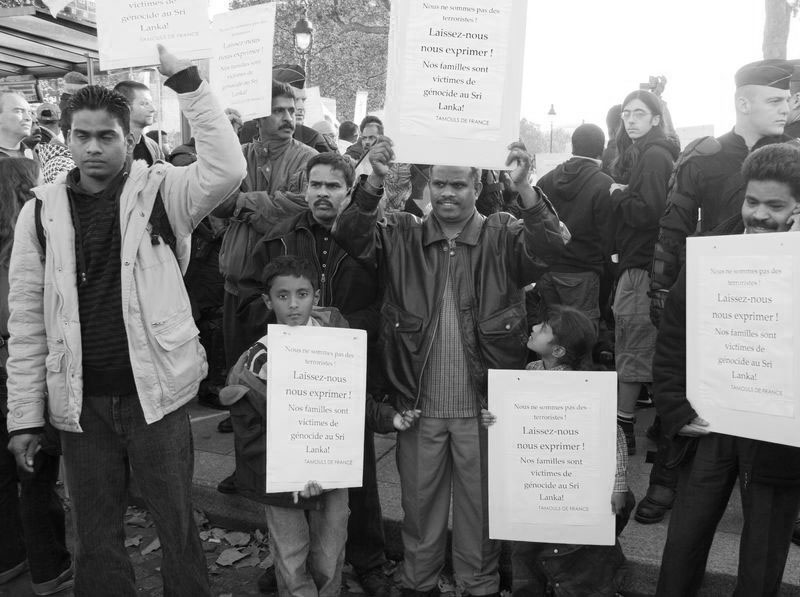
x,y
634,114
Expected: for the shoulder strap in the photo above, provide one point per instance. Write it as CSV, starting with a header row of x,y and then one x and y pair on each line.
x,y
38,221
160,226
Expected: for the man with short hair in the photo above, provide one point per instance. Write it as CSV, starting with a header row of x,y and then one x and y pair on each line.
x,y
295,75
707,177
15,124
143,114
768,473
453,307
102,336
348,134
578,189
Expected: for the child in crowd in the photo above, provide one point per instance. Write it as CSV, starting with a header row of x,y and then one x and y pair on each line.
x,y
565,341
307,529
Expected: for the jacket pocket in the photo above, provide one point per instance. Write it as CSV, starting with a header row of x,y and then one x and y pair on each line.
x,y
180,359
503,336
400,320
56,375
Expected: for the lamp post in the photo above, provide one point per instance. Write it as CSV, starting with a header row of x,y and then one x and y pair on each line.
x,y
303,38
552,115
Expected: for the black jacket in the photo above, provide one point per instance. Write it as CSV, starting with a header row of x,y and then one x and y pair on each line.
x,y
497,257
578,189
773,464
313,139
638,208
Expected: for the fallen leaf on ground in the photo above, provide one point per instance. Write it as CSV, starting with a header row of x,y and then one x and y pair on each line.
x,y
154,545
266,562
138,520
133,541
237,539
230,556
218,533
204,535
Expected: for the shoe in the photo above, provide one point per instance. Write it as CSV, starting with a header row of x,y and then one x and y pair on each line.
x,y
228,484
14,572
796,532
645,399
267,582
375,583
63,581
653,508
225,426
630,434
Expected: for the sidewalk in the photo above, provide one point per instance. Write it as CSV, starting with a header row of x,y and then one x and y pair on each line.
x,y
642,544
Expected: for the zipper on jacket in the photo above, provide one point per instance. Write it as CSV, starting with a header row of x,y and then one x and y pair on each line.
x,y
450,252
335,269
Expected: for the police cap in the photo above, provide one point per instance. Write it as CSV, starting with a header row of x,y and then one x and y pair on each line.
x,y
292,74
772,73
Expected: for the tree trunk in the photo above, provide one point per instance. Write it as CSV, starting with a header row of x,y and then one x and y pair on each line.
x,y
776,28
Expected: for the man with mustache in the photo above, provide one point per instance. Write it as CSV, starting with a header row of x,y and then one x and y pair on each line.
x,y
453,307
352,288
769,474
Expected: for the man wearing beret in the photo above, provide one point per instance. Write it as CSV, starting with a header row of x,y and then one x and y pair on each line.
x,y
707,176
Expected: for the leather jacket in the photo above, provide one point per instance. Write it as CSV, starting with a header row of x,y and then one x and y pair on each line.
x,y
498,256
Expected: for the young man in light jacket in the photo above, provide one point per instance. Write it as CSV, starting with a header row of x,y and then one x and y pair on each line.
x,y
101,325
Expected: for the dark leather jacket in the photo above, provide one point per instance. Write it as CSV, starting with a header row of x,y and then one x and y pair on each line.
x,y
412,255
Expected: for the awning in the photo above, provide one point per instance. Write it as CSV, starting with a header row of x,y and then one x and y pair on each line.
x,y
32,42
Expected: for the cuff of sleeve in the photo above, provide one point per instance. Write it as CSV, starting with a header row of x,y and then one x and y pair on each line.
x,y
31,431
184,81
367,197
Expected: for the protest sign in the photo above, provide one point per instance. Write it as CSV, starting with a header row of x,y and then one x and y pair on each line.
x,y
552,456
361,106
127,32
316,390
454,80
313,106
329,109
241,59
742,336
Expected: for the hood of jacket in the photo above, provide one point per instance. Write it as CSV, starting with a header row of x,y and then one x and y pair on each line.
x,y
571,176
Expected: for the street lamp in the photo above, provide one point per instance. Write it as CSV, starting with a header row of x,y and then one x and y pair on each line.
x,y
552,115
303,38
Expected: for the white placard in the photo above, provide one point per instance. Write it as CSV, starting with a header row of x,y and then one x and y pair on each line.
x,y
128,31
361,106
454,80
314,111
552,456
241,59
329,109
742,335
316,392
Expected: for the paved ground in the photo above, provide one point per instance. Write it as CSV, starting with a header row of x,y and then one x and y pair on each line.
x,y
232,527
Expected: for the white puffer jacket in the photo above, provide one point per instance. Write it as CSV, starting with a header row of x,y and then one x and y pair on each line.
x,y
45,338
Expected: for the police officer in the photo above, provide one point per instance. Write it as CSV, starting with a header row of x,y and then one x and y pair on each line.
x,y
707,179
793,122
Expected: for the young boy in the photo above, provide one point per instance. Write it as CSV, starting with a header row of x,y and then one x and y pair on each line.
x,y
308,528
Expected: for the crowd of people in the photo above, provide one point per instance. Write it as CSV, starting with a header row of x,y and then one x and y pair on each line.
x,y
136,277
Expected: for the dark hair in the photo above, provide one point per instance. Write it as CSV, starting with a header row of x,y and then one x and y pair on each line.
x,y
474,173
613,121
628,152
779,163
336,162
576,333
348,129
17,177
289,265
588,141
128,89
370,119
282,90
97,97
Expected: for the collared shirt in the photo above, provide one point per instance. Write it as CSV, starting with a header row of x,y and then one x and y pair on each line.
x,y
447,390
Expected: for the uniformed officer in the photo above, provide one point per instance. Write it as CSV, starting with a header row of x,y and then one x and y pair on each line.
x,y
793,122
707,179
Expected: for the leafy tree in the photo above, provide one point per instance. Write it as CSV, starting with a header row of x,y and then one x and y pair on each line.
x,y
349,50
537,137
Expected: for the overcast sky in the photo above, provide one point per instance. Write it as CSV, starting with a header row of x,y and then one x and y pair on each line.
x,y
583,56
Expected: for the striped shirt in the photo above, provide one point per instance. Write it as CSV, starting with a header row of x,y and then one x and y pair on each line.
x,y
447,391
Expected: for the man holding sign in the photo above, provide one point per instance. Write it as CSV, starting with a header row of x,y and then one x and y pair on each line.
x,y
102,336
769,473
453,307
